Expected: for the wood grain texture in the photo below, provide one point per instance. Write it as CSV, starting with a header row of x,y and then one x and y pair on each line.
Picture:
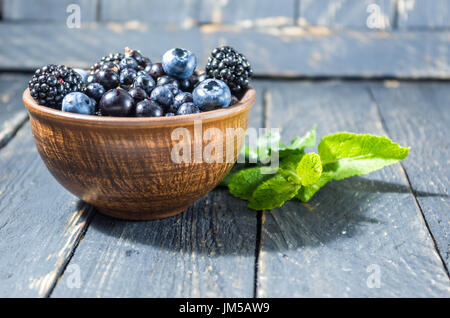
x,y
47,10
249,12
208,251
423,14
40,222
417,114
344,13
130,168
176,12
316,52
12,113
353,229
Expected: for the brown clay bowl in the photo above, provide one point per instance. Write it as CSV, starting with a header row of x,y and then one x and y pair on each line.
x,y
123,165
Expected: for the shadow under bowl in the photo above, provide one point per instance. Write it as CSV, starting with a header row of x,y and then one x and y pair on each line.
x,y
124,165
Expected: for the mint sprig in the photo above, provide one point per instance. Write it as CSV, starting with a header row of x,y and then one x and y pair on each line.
x,y
300,174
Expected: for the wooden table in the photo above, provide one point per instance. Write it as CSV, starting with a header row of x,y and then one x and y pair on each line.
x,y
386,234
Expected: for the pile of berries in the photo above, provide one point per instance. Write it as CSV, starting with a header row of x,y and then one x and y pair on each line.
x,y
131,85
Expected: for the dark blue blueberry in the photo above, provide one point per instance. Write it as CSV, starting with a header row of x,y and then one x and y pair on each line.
x,y
90,78
142,72
107,78
211,94
138,94
95,91
170,114
234,100
128,62
173,88
110,65
79,103
181,98
155,70
145,82
116,102
201,78
162,95
166,79
127,76
188,108
179,62
82,73
148,108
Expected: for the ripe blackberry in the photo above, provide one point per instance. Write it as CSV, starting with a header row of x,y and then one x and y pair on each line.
x,y
51,83
230,66
111,57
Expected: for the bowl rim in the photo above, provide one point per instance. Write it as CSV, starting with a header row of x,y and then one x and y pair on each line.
x,y
34,108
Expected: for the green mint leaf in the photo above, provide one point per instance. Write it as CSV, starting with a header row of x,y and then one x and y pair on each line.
x,y
273,192
345,154
243,183
299,144
309,169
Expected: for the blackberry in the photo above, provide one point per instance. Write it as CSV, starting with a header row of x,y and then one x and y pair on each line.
x,y
51,83
230,66
111,57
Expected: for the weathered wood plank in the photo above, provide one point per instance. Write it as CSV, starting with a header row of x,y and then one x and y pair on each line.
x,y
417,114
348,13
12,111
176,12
47,10
207,251
249,12
40,222
353,232
288,51
423,14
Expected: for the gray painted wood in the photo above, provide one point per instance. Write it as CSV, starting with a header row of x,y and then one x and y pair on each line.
x,y
176,12
207,251
12,112
273,51
347,13
417,114
248,13
423,14
351,230
47,10
40,222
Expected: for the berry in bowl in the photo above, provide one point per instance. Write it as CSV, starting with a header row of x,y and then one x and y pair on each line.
x,y
131,137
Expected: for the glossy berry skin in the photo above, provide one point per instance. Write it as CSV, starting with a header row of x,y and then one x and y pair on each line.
x,y
173,88
170,114
166,79
82,73
181,98
188,108
155,70
107,78
162,95
79,103
148,108
116,102
201,78
127,76
211,94
110,65
90,78
145,82
128,62
179,63
138,94
95,91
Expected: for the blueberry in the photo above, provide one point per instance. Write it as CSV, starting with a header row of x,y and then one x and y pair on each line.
x,y
110,65
173,88
108,78
166,79
181,98
234,100
201,78
90,78
170,114
79,103
155,70
128,62
162,95
186,84
82,73
188,108
179,62
211,94
145,82
142,73
116,102
95,91
127,76
148,108
138,94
